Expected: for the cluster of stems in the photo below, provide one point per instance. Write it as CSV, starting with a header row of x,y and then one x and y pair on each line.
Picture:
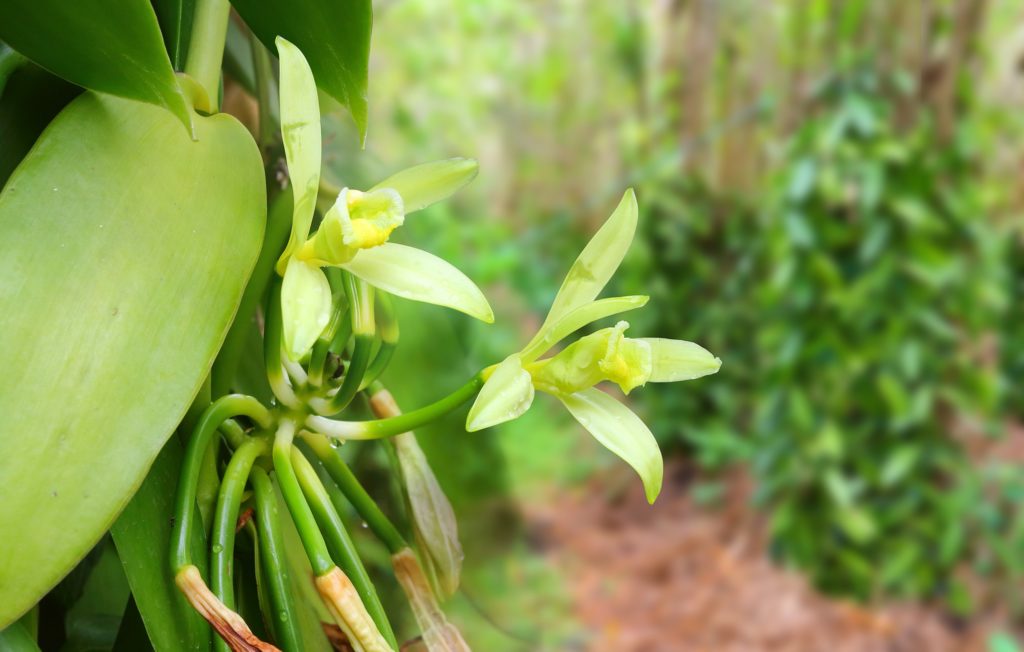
x,y
257,453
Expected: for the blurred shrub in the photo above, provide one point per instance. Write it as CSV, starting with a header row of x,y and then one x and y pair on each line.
x,y
878,297
696,260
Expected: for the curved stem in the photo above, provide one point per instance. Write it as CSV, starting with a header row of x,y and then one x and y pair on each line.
x,y
275,567
305,523
225,520
206,49
339,543
336,469
360,301
184,514
387,328
389,427
272,349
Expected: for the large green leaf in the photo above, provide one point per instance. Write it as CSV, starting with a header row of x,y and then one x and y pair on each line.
x,y
29,100
124,249
334,37
142,535
114,49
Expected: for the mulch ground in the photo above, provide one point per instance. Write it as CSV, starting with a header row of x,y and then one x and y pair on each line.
x,y
679,577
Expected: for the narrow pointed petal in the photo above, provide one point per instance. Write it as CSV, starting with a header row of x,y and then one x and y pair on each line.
x,y
300,127
426,184
620,431
577,319
305,307
599,260
506,395
675,360
414,274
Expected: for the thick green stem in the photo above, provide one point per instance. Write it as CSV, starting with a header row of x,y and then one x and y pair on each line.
x,y
285,623
206,50
389,427
225,520
184,514
305,523
339,543
336,469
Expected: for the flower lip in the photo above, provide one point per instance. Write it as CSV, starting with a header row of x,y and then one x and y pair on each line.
x,y
607,355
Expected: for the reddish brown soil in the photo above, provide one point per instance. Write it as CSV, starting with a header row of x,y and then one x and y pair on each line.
x,y
677,577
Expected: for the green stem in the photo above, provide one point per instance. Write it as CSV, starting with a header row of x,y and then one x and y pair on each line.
x,y
206,49
225,522
285,623
279,223
272,330
339,315
184,514
387,328
320,449
391,426
264,71
305,523
340,544
360,301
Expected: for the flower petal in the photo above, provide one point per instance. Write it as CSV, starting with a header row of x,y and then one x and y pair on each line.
x,y
300,127
506,395
675,360
415,274
423,185
598,261
305,307
577,319
620,431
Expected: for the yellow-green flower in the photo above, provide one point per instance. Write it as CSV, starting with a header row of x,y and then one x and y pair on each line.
x,y
606,355
354,232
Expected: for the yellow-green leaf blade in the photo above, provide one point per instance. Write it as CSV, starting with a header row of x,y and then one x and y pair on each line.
x,y
124,249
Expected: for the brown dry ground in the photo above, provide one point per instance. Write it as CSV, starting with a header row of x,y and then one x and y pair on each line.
x,y
678,577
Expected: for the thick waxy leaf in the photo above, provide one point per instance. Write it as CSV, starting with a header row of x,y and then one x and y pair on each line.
x,y
29,100
506,395
555,331
598,261
414,274
426,184
175,18
142,535
620,431
300,127
90,43
124,249
334,36
675,360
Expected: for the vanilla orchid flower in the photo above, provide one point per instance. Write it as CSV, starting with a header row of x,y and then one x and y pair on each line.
x,y
606,355
354,232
